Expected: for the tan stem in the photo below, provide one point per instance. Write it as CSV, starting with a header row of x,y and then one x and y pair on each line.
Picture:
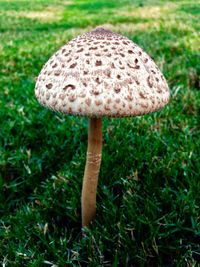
x,y
92,168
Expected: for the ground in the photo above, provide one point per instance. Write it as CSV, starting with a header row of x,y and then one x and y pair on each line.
x,y
148,195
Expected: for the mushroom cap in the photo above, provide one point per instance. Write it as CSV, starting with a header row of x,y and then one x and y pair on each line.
x,y
101,73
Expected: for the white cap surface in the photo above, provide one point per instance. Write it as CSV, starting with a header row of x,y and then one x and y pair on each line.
x,y
102,73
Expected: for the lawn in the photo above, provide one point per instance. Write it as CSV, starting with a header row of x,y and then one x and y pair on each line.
x,y
148,199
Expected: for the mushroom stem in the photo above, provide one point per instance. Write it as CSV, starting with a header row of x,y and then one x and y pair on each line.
x,y
92,167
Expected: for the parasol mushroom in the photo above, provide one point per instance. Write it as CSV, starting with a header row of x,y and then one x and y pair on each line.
x,y
97,74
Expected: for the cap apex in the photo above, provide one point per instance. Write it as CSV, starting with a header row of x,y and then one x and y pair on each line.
x,y
101,30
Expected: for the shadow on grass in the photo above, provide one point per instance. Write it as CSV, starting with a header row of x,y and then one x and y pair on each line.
x,y
42,146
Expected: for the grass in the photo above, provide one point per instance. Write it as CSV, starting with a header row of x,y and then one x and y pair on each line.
x,y
148,195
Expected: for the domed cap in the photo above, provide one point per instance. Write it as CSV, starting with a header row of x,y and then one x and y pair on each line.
x,y
102,73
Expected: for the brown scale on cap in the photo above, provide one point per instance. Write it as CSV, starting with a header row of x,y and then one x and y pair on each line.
x,y
117,88
69,86
149,81
73,65
57,72
88,101
72,97
54,95
98,102
98,63
80,50
98,66
54,103
47,96
142,95
49,85
129,97
95,91
62,96
107,107
55,65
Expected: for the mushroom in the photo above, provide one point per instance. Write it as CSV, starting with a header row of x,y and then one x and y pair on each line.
x,y
97,74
